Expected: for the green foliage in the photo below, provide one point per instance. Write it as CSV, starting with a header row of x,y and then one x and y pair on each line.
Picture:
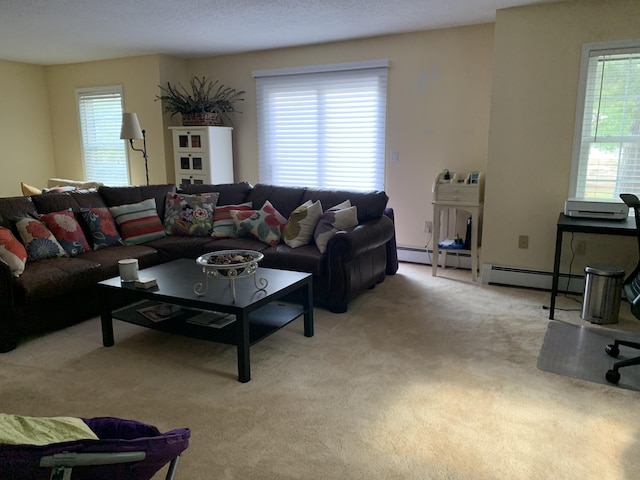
x,y
202,96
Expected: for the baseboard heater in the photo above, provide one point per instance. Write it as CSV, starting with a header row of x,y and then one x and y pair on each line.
x,y
425,256
538,279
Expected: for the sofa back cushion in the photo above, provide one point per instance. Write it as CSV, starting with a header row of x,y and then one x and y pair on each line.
x,y
15,207
116,196
284,199
230,193
75,200
370,205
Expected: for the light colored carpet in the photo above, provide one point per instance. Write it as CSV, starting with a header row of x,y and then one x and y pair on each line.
x,y
423,378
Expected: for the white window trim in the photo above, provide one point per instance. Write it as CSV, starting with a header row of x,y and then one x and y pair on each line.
x,y
588,49
79,92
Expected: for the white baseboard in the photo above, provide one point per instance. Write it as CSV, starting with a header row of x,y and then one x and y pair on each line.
x,y
497,274
421,255
520,277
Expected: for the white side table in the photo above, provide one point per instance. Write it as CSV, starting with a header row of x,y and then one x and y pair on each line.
x,y
475,209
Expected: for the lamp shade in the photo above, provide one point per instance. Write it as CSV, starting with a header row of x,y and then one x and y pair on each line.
x,y
130,127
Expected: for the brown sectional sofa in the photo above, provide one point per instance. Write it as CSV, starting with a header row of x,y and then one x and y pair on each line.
x,y
56,292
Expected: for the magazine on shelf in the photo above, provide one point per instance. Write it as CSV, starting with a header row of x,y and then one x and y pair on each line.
x,y
207,318
161,312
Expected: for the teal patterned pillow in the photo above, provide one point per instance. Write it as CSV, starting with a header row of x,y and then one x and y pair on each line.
x,y
102,227
190,215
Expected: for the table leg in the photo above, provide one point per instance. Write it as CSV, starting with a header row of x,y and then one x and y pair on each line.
x,y
556,273
107,321
307,292
242,337
474,244
436,240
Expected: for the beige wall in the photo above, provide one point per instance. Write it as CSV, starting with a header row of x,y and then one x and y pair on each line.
x,y
499,98
437,116
535,79
140,77
25,128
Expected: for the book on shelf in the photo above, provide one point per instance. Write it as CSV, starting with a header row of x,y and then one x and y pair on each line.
x,y
161,312
211,319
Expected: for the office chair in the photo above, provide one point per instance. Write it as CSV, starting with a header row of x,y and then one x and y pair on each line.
x,y
631,287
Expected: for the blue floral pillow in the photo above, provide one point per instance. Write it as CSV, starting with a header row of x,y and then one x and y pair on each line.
x,y
102,227
38,240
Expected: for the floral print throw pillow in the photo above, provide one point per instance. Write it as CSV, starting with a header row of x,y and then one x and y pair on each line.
x,y
67,231
38,240
102,226
190,215
265,224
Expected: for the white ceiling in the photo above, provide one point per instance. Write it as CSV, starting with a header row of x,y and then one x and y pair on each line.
x,y
50,32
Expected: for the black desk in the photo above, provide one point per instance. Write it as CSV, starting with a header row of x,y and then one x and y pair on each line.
x,y
626,227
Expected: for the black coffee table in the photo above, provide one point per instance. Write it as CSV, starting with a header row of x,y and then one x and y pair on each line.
x,y
257,315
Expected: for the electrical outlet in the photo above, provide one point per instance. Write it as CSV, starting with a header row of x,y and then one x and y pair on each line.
x,y
580,247
427,226
523,241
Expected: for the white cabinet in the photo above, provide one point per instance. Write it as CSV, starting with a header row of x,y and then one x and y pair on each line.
x,y
202,155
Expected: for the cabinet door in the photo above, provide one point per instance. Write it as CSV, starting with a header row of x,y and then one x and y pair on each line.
x,y
191,163
186,179
188,140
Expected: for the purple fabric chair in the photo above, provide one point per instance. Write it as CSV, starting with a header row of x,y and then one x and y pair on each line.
x,y
116,436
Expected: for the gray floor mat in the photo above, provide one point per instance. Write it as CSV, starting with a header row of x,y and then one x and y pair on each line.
x,y
578,352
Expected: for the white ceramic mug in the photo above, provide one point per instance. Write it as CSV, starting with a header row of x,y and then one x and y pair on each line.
x,y
128,269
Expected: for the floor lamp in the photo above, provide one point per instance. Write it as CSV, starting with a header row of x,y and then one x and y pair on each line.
x,y
131,131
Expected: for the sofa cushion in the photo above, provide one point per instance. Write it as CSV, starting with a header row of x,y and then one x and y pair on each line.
x,y
298,230
114,196
75,200
12,252
108,258
243,243
264,224
230,193
223,225
370,205
176,246
67,231
190,214
102,227
138,222
284,199
332,221
53,277
12,207
38,240
302,259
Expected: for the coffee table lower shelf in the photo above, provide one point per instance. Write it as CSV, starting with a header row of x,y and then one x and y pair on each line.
x,y
263,322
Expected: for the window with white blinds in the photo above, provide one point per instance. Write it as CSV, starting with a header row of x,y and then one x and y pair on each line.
x,y
104,153
606,156
323,127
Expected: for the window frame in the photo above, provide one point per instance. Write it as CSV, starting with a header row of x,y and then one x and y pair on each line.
x,y
80,93
590,50
301,79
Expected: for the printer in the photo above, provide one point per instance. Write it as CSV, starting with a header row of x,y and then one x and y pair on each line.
x,y
590,208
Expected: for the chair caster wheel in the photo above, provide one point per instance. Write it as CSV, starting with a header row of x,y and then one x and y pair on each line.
x,y
613,376
613,350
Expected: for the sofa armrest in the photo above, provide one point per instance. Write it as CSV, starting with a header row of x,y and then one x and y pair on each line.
x,y
351,243
7,340
356,260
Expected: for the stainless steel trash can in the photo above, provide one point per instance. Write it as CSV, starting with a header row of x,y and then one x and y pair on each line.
x,y
602,293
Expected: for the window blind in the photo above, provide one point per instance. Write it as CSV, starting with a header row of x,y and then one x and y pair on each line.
x,y
104,153
323,128
608,156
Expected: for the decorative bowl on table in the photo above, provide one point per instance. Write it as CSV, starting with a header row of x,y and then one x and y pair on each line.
x,y
230,263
